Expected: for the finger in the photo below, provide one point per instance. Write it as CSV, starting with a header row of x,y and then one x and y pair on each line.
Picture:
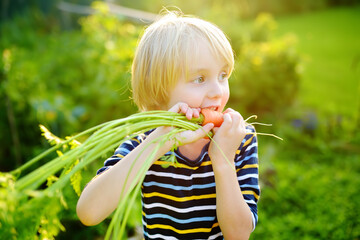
x,y
236,119
204,130
207,127
192,136
192,112
178,107
183,108
239,123
196,112
174,108
242,121
228,110
189,113
226,125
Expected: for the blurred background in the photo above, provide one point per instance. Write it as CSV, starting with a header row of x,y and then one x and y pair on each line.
x,y
66,65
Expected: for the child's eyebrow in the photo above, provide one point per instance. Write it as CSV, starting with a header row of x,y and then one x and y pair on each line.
x,y
197,70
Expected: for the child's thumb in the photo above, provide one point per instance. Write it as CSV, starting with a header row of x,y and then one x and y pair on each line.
x,y
206,129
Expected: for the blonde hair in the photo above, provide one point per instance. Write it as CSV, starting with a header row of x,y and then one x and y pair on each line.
x,y
164,53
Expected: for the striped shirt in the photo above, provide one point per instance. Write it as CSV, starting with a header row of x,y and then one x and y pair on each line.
x,y
179,201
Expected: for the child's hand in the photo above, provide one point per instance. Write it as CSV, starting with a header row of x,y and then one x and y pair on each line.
x,y
185,109
228,137
188,136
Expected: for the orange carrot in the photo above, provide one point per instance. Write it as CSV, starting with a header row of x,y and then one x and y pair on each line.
x,y
211,116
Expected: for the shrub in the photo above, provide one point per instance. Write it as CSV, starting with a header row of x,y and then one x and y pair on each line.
x,y
267,71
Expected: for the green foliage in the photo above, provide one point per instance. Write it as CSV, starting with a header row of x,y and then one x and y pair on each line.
x,y
28,215
8,200
73,72
75,179
263,28
279,7
267,72
240,8
311,193
78,80
35,214
68,81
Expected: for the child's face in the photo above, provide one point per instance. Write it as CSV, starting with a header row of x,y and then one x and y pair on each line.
x,y
206,85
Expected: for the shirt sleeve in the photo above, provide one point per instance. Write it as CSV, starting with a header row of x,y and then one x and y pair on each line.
x,y
126,147
247,168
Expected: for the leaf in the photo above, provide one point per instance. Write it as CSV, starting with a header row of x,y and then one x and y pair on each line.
x,y
50,225
51,180
74,143
51,138
75,179
169,160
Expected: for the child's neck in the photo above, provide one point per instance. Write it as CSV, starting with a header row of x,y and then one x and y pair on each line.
x,y
193,150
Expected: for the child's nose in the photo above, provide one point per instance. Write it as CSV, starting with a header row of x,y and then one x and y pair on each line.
x,y
215,90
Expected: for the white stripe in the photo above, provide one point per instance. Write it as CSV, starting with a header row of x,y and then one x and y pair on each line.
x,y
247,176
253,221
172,238
178,176
215,236
251,146
112,159
129,142
159,236
179,210
250,201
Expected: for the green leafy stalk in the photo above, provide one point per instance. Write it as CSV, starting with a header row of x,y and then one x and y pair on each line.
x,y
101,140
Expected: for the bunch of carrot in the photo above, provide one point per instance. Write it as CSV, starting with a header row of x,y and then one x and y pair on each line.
x,y
103,139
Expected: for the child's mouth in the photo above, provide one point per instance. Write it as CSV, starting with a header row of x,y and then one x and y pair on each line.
x,y
213,108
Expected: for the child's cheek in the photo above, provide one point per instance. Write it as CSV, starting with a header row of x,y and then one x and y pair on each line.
x,y
224,100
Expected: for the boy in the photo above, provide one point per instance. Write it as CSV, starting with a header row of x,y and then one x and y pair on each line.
x,y
183,64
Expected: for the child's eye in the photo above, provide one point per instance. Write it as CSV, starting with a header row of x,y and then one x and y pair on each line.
x,y
223,76
199,80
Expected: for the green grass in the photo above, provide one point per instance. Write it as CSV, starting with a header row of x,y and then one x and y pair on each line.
x,y
329,41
